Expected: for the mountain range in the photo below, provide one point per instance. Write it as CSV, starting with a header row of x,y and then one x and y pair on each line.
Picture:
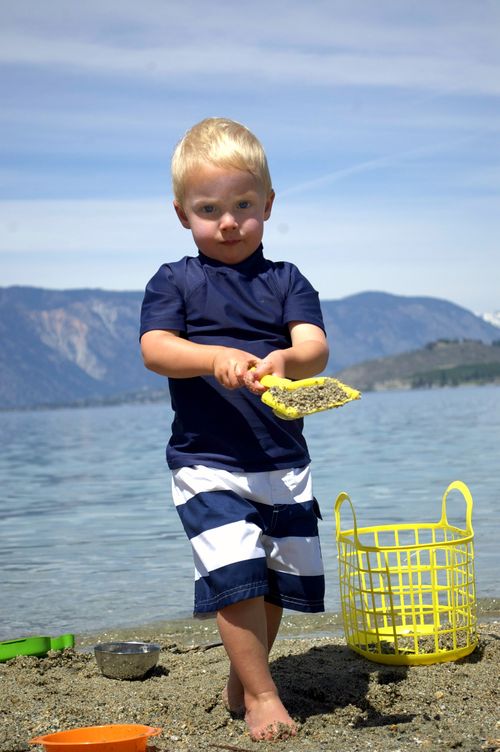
x,y
79,346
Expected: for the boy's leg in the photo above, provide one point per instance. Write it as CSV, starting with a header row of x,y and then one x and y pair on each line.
x,y
243,629
234,692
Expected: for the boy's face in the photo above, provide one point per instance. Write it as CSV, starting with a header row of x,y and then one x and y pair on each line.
x,y
225,209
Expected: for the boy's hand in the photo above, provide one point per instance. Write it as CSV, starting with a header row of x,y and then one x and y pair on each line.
x,y
273,363
231,365
307,356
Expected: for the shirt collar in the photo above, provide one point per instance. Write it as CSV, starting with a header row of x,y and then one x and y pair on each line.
x,y
248,265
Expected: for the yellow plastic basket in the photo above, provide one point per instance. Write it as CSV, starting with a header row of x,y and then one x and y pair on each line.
x,y
408,591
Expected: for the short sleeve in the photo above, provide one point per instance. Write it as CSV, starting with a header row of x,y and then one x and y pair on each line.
x,y
302,300
163,303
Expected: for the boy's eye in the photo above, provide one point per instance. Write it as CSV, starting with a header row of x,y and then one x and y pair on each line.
x,y
208,209
243,204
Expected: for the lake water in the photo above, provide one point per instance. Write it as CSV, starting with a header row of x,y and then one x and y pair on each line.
x,y
90,539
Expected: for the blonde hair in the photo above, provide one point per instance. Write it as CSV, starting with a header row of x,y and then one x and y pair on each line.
x,y
221,142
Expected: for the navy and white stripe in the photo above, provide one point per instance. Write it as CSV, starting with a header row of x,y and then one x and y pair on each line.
x,y
252,534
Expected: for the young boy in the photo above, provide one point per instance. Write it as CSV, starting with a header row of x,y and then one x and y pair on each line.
x,y
216,323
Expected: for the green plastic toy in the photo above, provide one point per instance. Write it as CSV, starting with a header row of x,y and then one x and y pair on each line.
x,y
38,646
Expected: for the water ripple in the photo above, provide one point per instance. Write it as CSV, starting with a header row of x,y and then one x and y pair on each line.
x,y
90,538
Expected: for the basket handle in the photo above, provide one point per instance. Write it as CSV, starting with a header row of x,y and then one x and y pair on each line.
x,y
343,496
457,485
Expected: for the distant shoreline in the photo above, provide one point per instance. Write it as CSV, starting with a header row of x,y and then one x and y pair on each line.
x,y
190,630
203,631
157,397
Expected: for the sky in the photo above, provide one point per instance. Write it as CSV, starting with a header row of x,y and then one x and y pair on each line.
x,y
380,121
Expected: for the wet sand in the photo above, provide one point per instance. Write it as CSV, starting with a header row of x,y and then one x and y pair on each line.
x,y
340,700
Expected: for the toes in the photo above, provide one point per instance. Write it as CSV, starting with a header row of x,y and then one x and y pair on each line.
x,y
275,732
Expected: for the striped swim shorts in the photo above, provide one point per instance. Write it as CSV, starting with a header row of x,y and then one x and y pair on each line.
x,y
252,534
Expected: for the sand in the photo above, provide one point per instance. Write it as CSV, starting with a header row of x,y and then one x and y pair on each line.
x,y
309,399
341,700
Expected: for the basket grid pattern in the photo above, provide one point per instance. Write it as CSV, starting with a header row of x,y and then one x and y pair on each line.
x,y
408,591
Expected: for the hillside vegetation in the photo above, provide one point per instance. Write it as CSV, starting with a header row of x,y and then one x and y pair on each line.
x,y
441,363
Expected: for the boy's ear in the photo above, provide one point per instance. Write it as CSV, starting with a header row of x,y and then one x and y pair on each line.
x,y
269,205
182,215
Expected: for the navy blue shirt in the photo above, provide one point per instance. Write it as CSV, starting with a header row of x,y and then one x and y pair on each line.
x,y
248,306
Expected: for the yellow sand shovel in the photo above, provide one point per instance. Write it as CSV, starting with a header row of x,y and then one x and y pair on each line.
x,y
295,399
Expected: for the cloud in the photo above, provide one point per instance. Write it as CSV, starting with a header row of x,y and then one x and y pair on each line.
x,y
371,165
321,45
181,63
450,26
118,227
380,121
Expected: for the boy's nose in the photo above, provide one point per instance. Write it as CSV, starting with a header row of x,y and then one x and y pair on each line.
x,y
227,221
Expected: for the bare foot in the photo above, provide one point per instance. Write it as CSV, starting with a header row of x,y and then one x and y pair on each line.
x,y
233,699
268,720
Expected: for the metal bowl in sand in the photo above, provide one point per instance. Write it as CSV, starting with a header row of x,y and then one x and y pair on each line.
x,y
126,660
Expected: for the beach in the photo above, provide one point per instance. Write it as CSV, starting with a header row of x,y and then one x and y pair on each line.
x,y
340,700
